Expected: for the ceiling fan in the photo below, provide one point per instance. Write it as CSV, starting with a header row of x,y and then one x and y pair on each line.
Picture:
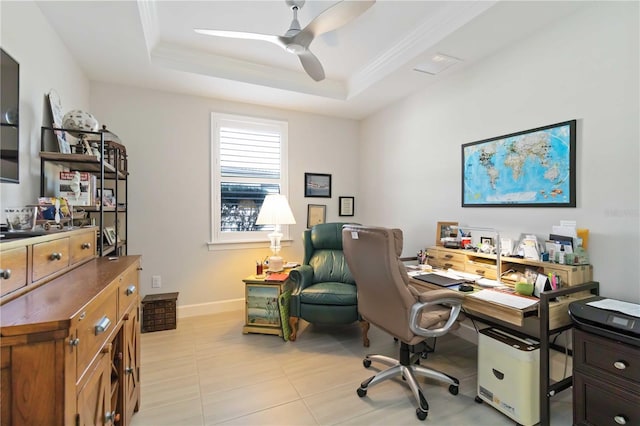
x,y
297,40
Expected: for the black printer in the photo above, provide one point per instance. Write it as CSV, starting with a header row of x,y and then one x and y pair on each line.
x,y
607,323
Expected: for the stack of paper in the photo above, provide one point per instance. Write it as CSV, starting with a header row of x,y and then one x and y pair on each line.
x,y
504,298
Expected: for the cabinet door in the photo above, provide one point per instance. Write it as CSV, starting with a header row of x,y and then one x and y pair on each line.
x,y
94,398
131,363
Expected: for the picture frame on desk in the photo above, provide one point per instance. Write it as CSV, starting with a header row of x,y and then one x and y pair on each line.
x,y
486,240
106,197
445,230
109,233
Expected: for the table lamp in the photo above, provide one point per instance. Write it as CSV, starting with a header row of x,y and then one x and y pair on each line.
x,y
498,248
275,211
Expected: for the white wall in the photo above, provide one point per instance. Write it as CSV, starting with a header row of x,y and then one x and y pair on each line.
x,y
585,68
167,137
45,64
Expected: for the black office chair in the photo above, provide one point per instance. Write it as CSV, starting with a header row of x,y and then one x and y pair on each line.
x,y
386,300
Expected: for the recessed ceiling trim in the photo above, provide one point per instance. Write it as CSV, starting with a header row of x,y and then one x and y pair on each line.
x,y
177,58
447,20
149,21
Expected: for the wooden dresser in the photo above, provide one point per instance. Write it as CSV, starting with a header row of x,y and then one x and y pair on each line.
x,y
70,351
606,381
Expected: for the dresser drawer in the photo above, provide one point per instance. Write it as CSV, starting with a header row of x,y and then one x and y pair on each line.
x,y
50,257
607,357
599,403
486,269
13,262
83,246
128,290
93,325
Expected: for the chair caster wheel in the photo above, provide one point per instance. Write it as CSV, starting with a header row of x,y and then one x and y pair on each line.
x,y
366,362
421,414
478,400
361,392
453,389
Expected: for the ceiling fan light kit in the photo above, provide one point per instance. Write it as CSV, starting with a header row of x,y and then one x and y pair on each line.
x,y
297,40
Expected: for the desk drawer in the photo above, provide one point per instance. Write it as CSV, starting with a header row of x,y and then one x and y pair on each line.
x,y
15,261
94,324
83,247
50,257
487,270
607,357
445,260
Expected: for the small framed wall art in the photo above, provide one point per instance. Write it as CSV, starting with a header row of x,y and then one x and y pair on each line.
x,y
446,230
316,214
347,206
317,185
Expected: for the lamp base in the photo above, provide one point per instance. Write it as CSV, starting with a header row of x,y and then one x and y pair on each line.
x,y
276,264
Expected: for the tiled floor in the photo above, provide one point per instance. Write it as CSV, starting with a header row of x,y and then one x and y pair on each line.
x,y
207,372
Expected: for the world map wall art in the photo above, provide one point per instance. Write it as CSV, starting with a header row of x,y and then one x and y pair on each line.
x,y
532,168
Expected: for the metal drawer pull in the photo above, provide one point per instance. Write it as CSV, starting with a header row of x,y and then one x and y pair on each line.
x,y
620,365
128,370
74,342
102,325
111,417
5,274
85,246
130,290
620,419
55,256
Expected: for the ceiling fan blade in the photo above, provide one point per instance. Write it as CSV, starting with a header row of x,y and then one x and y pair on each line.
x,y
336,16
280,41
311,65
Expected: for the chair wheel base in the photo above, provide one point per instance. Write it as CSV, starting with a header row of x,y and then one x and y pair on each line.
x,y
421,414
362,392
453,389
366,363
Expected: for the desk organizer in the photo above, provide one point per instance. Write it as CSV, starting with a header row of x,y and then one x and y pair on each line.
x,y
159,312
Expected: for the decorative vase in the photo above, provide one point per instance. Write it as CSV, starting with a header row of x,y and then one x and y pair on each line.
x,y
80,121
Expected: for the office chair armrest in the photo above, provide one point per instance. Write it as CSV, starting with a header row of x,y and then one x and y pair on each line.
x,y
431,295
301,277
451,300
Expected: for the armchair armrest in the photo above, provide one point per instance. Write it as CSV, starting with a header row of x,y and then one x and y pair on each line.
x,y
451,301
301,277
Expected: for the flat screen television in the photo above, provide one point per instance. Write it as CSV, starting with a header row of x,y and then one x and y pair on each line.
x,y
9,119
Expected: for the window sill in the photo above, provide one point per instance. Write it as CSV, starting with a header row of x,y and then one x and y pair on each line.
x,y
243,245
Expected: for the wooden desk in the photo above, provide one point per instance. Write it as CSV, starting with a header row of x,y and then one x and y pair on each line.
x,y
552,317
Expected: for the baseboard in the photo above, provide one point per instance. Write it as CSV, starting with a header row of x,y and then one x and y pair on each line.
x,y
185,311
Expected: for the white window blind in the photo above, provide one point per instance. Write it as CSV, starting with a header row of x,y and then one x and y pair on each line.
x,y
249,161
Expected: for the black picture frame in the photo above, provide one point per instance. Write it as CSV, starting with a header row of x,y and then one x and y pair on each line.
x,y
317,185
346,206
532,168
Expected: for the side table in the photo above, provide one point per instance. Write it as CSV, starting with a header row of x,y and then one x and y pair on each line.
x,y
262,314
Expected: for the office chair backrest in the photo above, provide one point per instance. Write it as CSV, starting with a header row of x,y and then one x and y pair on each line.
x,y
384,298
323,251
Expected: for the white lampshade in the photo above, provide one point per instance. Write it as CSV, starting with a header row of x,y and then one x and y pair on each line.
x,y
275,211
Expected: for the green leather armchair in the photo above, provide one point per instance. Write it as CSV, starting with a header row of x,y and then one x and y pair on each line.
x,y
323,289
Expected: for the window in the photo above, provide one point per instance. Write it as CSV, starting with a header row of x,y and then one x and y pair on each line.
x,y
248,161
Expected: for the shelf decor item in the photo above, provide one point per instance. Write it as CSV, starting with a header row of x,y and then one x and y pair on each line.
x,y
532,168
81,122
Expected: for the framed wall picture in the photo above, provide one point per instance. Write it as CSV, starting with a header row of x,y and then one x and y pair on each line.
x,y
532,168
446,230
346,205
317,185
316,214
